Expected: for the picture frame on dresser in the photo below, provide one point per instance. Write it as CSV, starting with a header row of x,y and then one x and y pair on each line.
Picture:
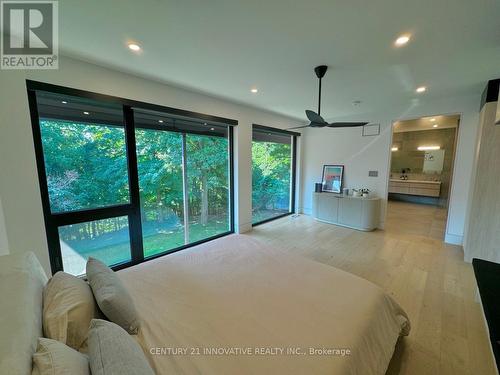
x,y
333,178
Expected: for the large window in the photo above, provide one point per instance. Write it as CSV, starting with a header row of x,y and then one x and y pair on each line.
x,y
183,180
273,173
124,181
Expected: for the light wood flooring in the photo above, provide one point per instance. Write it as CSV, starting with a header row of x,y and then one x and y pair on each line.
x,y
409,260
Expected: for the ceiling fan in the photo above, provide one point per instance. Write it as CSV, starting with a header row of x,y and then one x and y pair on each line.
x,y
316,121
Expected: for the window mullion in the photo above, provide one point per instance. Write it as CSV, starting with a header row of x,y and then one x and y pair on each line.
x,y
135,224
185,189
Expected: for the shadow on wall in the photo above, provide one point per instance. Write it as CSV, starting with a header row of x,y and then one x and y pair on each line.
x,y
4,244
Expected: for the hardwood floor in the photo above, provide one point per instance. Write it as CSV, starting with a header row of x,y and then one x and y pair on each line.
x,y
427,277
416,219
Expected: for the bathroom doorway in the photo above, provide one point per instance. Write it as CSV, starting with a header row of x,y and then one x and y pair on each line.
x,y
421,169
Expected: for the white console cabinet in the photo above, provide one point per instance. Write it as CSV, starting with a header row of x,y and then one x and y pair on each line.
x,y
352,212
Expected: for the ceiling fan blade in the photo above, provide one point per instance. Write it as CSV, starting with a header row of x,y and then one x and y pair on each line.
x,y
346,124
318,124
298,127
314,117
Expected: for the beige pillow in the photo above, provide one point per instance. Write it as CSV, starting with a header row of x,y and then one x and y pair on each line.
x,y
68,308
54,358
111,296
113,351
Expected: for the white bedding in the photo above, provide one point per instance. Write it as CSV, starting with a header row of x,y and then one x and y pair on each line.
x,y
245,302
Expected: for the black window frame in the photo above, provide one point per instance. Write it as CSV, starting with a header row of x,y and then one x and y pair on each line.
x,y
131,209
293,177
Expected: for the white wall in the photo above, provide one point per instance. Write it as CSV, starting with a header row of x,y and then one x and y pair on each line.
x,y
19,188
361,154
483,235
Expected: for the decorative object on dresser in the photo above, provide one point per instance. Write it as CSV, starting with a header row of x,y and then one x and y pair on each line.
x,y
347,211
363,192
332,178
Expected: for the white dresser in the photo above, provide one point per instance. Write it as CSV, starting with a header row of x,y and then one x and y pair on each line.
x,y
352,212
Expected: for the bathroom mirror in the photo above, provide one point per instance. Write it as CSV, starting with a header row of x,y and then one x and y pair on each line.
x,y
433,161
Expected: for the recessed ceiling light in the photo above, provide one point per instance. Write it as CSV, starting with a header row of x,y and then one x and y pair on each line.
x,y
402,40
212,129
432,119
134,47
254,90
160,121
86,113
435,125
64,102
421,89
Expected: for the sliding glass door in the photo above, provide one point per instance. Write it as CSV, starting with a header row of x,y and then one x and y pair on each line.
x,y
207,164
183,181
122,183
159,162
273,173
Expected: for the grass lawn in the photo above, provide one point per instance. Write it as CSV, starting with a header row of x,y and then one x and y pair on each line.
x,y
153,244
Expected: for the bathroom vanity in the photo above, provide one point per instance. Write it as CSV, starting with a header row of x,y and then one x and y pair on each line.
x,y
415,187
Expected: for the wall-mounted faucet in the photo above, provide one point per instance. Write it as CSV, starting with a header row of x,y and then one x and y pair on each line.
x,y
404,172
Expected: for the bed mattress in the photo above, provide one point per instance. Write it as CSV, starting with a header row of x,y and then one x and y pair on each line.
x,y
237,306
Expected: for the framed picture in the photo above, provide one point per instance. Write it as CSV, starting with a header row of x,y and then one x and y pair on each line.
x,y
332,178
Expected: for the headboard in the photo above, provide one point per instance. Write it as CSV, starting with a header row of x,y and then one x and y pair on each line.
x,y
22,279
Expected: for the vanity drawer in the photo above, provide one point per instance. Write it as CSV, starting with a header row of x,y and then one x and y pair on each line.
x,y
399,188
415,188
398,183
434,192
423,185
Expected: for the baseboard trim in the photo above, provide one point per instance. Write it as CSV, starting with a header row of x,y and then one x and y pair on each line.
x,y
453,239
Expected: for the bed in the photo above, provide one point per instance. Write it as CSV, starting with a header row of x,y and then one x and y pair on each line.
x,y
236,306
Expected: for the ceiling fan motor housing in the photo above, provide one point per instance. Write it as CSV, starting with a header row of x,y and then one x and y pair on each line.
x,y
320,71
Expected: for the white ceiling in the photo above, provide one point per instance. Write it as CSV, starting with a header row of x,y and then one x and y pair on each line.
x,y
225,47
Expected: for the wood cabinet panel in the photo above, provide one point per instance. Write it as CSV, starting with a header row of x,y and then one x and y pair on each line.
x,y
350,211
356,213
415,188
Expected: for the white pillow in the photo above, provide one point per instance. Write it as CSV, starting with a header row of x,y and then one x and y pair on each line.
x,y
21,284
54,358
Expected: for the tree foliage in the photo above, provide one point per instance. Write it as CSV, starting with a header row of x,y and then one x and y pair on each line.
x,y
86,167
271,176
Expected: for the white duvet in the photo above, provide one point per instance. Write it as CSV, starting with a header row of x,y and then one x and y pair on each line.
x,y
235,306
